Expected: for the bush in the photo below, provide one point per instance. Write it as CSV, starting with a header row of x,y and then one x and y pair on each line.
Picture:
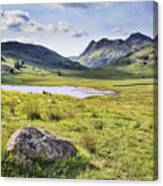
x,y
88,142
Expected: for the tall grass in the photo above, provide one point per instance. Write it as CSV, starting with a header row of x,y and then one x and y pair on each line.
x,y
69,168
88,142
55,114
98,124
33,109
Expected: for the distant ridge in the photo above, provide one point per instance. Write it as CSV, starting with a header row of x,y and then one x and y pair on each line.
x,y
37,54
104,51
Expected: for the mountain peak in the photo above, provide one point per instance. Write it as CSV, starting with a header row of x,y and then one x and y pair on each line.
x,y
104,42
138,38
105,50
137,34
92,42
89,47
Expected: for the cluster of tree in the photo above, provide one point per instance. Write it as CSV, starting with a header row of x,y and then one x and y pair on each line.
x,y
18,65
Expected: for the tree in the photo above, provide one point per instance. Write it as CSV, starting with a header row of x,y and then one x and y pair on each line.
x,y
3,59
59,73
22,63
145,63
17,65
11,70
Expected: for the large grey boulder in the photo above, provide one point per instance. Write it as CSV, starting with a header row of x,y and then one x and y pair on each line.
x,y
30,143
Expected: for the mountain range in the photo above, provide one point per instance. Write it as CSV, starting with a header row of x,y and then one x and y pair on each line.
x,y
137,48
104,51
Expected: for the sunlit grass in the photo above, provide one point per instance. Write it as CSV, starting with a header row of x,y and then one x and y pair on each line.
x,y
115,133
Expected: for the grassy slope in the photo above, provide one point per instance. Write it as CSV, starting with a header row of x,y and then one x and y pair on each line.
x,y
37,55
113,134
36,75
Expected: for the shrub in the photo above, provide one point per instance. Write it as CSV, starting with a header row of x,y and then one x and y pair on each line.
x,y
88,142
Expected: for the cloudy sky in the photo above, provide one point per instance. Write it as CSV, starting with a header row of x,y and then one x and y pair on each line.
x,y
68,28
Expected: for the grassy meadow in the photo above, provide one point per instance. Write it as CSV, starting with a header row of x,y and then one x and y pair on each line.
x,y
113,134
85,94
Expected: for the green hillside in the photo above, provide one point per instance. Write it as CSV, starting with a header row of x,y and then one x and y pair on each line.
x,y
37,55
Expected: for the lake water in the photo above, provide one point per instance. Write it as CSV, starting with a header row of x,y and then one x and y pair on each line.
x,y
78,92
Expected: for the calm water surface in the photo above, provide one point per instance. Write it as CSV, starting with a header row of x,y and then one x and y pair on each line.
x,y
78,92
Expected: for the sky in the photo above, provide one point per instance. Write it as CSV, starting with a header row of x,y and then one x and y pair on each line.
x,y
68,28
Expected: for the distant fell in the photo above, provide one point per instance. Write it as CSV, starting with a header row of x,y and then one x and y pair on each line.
x,y
37,55
104,51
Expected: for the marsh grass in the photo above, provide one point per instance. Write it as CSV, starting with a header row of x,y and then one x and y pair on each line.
x,y
88,142
12,107
32,110
54,114
98,124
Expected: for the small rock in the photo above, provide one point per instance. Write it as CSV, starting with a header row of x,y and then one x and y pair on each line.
x,y
30,143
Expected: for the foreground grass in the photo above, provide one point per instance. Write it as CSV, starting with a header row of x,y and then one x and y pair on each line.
x,y
113,134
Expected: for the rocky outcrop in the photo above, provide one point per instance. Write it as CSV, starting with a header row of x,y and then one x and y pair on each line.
x,y
30,143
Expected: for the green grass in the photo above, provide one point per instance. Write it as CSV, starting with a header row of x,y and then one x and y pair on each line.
x,y
41,75
113,134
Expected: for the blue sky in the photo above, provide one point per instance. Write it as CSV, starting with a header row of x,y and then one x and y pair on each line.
x,y
68,28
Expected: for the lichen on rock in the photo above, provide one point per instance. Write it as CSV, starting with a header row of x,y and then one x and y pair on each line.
x,y
30,143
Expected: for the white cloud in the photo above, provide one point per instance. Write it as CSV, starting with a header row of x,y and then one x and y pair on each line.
x,y
13,19
17,20
67,28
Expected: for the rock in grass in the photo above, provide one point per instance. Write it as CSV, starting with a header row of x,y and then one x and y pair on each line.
x,y
30,143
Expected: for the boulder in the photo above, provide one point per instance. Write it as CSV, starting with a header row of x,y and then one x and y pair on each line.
x,y
30,143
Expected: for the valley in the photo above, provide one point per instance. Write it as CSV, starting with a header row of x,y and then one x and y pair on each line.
x,y
113,134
